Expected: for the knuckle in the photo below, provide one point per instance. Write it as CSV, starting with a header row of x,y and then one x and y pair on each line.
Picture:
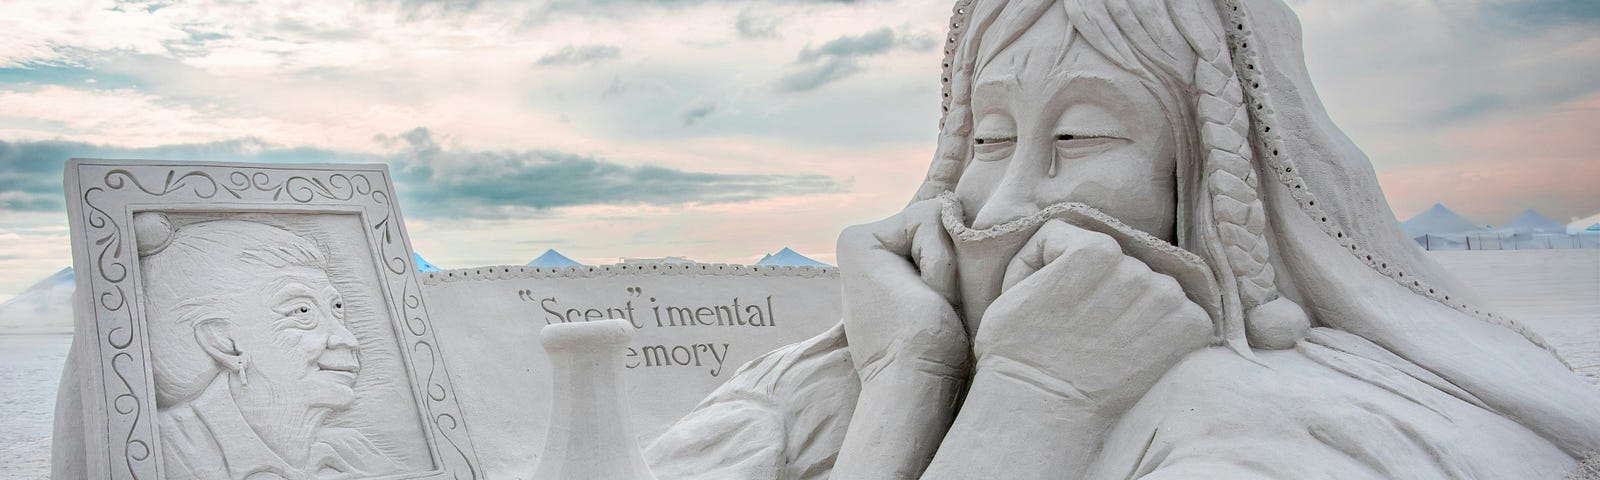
x,y
1100,242
1098,248
853,233
925,209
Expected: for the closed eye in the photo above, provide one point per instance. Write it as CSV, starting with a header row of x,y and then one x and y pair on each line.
x,y
1073,146
993,149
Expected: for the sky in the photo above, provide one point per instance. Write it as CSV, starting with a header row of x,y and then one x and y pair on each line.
x,y
713,129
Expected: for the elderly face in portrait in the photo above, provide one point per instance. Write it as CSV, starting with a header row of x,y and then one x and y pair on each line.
x,y
251,352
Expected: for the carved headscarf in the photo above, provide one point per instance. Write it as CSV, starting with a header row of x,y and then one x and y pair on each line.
x,y
1286,211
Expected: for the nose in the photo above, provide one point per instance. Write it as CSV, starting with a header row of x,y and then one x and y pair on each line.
x,y
1016,195
340,337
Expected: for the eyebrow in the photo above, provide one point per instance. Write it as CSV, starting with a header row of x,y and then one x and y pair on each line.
x,y
1009,81
1097,86
996,86
289,287
283,283
1072,83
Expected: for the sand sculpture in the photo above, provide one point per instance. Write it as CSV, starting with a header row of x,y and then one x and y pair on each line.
x,y
1142,250
249,321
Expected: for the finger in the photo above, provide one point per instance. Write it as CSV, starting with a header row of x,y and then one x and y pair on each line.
x,y
875,249
912,242
1187,268
932,250
1094,252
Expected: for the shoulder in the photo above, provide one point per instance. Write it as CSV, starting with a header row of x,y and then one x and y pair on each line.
x,y
356,449
785,411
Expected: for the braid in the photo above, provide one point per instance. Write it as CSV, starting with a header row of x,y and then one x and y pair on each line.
x,y
1270,320
1235,199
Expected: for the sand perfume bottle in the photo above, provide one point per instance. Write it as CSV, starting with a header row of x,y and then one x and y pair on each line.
x,y
589,437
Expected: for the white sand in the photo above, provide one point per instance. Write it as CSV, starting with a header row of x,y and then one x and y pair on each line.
x,y
30,368
1554,292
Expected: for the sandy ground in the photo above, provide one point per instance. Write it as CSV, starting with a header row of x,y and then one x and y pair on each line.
x,y
30,367
1555,292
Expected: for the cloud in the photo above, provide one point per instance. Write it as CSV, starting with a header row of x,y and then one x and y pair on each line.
x,y
754,27
621,86
870,43
697,111
547,11
813,76
580,54
1545,13
30,171
434,180
1449,64
841,57
451,182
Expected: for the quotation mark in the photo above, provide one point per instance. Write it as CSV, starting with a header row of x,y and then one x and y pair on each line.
x,y
635,291
525,295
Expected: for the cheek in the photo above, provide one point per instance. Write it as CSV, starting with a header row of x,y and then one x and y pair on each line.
x,y
1131,184
303,345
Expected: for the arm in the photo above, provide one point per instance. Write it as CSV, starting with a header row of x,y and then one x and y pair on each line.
x,y
906,341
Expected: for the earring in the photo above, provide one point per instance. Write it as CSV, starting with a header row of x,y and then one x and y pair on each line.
x,y
1052,172
240,363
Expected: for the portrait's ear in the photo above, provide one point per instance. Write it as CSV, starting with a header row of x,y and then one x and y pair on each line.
x,y
216,338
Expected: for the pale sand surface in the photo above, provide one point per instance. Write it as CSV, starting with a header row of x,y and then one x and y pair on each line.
x,y
30,367
1554,292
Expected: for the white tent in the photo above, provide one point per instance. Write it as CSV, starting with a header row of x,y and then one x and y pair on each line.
x,y
1438,228
45,307
423,265
791,258
1583,224
1531,222
1530,231
553,259
1438,220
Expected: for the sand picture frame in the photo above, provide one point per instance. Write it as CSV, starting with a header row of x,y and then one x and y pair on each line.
x,y
390,409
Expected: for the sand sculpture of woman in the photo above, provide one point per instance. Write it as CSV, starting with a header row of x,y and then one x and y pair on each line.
x,y
1143,250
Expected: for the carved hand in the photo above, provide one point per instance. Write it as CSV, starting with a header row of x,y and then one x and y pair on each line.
x,y
898,276
906,341
1078,334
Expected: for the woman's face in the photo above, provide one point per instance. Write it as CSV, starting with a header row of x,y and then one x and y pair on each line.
x,y
1082,130
293,329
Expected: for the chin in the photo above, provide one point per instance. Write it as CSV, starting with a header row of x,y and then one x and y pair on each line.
x,y
334,395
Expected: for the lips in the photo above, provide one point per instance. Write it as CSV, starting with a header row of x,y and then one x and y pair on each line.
x,y
344,366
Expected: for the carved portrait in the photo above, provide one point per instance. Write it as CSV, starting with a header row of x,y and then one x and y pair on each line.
x,y
253,322
256,353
